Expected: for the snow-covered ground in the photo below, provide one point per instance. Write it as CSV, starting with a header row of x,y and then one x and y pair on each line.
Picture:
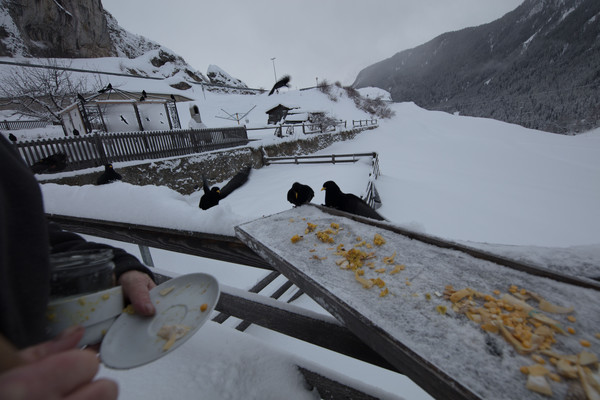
x,y
526,193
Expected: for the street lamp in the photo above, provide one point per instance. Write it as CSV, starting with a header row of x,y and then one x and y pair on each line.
x,y
275,73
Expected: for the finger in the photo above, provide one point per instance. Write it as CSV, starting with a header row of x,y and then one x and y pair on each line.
x,y
136,287
101,389
54,376
66,340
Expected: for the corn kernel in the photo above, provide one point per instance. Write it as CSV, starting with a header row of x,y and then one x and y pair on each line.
x,y
571,318
585,343
571,330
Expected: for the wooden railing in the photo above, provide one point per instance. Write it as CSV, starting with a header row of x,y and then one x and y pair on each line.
x,y
98,149
371,196
364,122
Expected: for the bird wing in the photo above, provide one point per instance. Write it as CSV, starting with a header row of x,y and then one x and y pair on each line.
x,y
358,206
238,180
285,81
205,186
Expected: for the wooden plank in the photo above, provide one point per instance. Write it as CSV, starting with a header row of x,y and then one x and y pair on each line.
x,y
480,254
218,247
297,322
436,351
242,326
260,285
330,389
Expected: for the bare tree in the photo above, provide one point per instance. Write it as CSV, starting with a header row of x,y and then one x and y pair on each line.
x,y
42,93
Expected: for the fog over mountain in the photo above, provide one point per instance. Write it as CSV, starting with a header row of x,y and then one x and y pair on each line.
x,y
537,66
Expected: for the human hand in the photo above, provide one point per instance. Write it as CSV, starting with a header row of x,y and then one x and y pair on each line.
x,y
136,287
56,369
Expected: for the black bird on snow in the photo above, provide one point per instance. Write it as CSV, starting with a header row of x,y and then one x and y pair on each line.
x,y
53,163
300,194
348,202
212,196
285,81
12,138
109,175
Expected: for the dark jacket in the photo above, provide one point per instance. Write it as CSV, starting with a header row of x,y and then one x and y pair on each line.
x,y
26,241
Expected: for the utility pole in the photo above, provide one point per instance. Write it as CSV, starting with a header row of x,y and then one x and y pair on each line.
x,y
275,73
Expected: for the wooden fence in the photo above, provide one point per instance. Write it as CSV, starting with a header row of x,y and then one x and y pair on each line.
x,y
98,149
364,122
371,196
16,125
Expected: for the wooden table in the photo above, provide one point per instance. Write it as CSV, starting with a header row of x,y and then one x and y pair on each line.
x,y
448,355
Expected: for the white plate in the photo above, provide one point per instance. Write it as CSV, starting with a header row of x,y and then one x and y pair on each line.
x,y
133,340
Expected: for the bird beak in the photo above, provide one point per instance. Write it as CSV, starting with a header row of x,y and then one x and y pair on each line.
x,y
296,193
218,191
322,189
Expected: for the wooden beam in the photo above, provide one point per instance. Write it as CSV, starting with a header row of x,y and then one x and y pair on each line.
x,y
299,323
217,247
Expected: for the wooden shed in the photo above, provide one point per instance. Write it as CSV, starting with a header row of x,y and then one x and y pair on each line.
x,y
277,113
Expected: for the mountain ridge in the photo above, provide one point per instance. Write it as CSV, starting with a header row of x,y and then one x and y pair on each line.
x,y
535,66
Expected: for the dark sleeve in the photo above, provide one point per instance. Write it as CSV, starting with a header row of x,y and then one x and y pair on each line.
x,y
61,241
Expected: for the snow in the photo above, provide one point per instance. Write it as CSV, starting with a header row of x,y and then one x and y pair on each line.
x,y
529,193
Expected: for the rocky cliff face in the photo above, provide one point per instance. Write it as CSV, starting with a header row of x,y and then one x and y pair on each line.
x,y
537,66
56,28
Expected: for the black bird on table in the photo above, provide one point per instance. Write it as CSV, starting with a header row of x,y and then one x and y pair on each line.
x,y
285,81
347,202
212,196
109,175
12,137
300,194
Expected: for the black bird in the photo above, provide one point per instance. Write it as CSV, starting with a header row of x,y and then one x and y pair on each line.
x,y
81,98
285,81
348,202
12,137
104,89
109,175
173,98
144,94
124,120
212,196
300,194
53,163
75,132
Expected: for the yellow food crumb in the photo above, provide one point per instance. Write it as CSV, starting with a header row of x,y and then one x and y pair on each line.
x,y
428,296
335,225
296,238
310,227
380,270
397,269
291,219
571,330
524,369
81,301
384,292
378,240
105,296
572,318
324,237
203,307
379,282
358,239
584,343
441,309
129,309
597,335
166,291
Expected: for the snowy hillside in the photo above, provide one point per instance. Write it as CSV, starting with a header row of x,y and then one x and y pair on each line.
x,y
522,192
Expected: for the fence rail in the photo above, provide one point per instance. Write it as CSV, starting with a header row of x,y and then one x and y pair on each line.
x,y
16,125
98,149
371,195
364,122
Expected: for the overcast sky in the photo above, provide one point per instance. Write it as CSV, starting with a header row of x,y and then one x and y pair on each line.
x,y
309,39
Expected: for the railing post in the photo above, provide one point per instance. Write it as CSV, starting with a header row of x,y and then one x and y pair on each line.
x,y
100,149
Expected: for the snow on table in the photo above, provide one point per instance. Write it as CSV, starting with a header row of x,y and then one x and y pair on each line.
x,y
406,326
